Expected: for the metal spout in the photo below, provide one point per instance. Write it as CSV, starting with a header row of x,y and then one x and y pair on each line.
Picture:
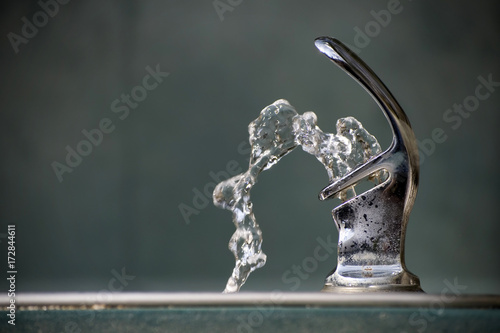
x,y
372,225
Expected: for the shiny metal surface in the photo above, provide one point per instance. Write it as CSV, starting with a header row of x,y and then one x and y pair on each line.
x,y
372,225
89,300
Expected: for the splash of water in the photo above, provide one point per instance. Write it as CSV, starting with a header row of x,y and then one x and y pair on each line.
x,y
277,131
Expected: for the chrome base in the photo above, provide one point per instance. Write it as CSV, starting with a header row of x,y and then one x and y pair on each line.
x,y
405,281
369,289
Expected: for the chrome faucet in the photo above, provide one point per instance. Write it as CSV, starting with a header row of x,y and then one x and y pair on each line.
x,y
372,225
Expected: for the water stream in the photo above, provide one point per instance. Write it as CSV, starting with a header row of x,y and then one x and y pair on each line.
x,y
276,132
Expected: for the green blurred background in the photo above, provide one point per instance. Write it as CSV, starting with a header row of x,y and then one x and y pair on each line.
x,y
119,209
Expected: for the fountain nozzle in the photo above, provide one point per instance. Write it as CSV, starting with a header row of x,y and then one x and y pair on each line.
x,y
372,225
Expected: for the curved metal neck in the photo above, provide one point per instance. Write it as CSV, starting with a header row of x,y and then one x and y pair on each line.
x,y
403,137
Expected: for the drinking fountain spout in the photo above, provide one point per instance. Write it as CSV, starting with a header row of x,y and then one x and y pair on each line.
x,y
372,225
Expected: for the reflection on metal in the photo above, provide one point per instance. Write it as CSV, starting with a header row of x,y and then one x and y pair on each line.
x,y
372,225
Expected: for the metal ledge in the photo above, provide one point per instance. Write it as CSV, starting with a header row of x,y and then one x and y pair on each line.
x,y
63,301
